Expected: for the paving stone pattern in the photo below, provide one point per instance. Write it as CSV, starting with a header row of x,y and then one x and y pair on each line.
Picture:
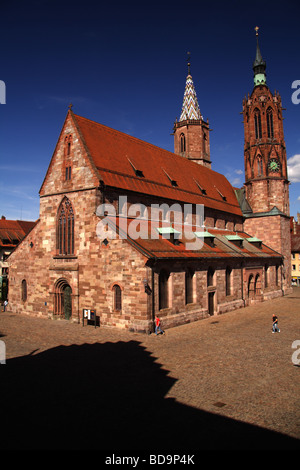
x,y
223,382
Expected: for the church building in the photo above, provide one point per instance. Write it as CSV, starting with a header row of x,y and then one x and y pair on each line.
x,y
129,230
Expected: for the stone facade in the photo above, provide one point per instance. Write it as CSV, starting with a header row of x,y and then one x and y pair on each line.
x,y
275,231
265,152
67,265
191,140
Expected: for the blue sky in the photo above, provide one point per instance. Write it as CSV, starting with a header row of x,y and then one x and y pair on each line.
x,y
123,64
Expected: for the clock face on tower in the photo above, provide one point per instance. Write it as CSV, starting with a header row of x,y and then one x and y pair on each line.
x,y
274,165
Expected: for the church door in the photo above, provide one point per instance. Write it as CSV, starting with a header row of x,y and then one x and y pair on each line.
x,y
63,299
67,302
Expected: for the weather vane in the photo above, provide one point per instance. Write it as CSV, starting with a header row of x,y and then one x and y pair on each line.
x,y
189,62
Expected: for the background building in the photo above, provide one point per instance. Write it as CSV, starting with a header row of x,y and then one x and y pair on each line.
x,y
12,233
295,250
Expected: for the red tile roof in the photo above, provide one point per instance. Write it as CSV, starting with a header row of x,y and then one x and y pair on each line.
x,y
295,243
154,245
13,231
118,158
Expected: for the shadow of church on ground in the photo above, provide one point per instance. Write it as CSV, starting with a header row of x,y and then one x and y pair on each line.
x,y
110,397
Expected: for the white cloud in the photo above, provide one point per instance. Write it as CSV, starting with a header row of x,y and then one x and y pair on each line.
x,y
293,165
236,182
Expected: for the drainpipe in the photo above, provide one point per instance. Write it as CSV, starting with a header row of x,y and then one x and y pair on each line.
x,y
282,276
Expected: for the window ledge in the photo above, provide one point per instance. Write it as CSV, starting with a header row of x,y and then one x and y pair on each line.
x,y
65,257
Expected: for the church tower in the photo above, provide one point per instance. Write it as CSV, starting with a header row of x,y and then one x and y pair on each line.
x,y
191,132
266,187
266,180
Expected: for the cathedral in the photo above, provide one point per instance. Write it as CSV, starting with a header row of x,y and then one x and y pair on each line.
x,y
128,231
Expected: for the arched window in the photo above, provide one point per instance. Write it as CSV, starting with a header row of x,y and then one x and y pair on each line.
x,y
204,142
117,297
68,145
251,286
182,143
266,275
228,280
189,287
270,123
260,169
163,289
68,160
24,290
65,228
257,124
257,285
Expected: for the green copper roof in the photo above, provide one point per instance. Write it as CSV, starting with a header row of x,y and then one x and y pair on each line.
x,y
234,237
163,230
204,235
253,239
259,65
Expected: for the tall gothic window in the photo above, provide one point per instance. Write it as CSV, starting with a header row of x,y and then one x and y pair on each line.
x,y
182,143
24,290
270,123
68,145
65,228
117,293
257,124
68,158
260,170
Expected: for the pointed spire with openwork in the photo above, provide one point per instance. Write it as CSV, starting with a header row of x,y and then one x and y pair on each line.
x,y
190,106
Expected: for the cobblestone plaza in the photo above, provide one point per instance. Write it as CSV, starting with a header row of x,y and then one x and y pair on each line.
x,y
225,382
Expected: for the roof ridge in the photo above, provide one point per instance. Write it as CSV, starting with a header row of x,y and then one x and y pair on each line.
x,y
149,144
113,151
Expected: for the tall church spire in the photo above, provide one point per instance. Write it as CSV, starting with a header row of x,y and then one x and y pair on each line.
x,y
264,150
259,65
190,107
191,132
266,185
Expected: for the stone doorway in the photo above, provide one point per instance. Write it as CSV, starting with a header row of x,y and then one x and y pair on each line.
x,y
63,299
211,303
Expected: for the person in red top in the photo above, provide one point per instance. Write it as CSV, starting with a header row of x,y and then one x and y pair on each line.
x,y
157,326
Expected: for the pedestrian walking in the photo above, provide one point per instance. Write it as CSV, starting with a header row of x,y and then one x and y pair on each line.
x,y
275,324
157,326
